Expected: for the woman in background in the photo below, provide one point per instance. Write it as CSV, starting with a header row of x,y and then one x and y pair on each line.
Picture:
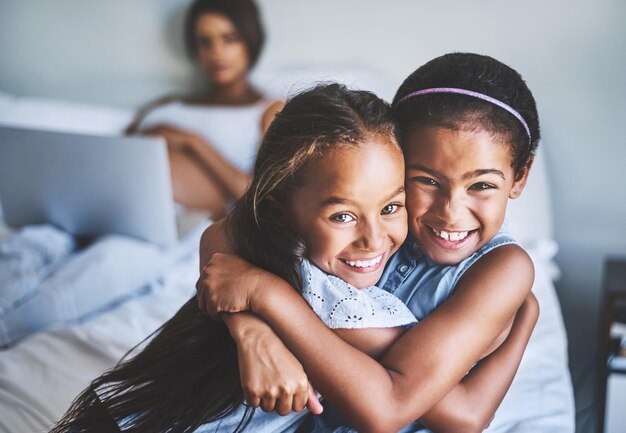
x,y
213,137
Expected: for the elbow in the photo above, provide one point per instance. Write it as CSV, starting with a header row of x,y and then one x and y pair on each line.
x,y
464,419
380,421
474,423
377,428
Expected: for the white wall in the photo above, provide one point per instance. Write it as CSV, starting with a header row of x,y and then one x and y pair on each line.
x,y
571,52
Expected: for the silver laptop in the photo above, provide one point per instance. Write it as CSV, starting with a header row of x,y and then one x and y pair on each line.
x,y
87,185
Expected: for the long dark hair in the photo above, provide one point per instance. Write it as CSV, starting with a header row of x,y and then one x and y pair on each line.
x,y
187,374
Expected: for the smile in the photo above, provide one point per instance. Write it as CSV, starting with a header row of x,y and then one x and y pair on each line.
x,y
363,263
450,236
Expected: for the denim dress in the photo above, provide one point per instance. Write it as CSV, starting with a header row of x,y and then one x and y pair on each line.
x,y
422,285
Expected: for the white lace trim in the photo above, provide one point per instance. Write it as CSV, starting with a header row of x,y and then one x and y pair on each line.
x,y
341,305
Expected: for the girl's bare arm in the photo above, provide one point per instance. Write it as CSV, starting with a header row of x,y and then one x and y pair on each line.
x,y
423,365
471,405
271,376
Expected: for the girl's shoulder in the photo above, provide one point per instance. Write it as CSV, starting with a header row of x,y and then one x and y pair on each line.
x,y
504,262
502,247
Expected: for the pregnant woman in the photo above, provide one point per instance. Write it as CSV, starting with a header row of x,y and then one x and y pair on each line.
x,y
213,136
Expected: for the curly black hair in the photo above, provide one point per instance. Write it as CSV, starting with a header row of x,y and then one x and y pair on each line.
x,y
478,73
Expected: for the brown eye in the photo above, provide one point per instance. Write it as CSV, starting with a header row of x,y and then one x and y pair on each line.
x,y
481,186
342,218
390,209
425,180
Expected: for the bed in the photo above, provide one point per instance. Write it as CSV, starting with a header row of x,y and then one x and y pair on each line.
x,y
44,371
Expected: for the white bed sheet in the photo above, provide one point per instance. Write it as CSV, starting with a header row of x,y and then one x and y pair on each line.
x,y
41,375
541,397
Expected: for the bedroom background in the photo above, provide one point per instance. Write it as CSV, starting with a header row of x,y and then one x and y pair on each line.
x,y
571,53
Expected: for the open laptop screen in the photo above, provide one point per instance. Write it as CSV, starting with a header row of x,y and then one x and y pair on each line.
x,y
87,185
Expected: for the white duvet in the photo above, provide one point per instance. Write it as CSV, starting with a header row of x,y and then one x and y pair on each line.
x,y
42,373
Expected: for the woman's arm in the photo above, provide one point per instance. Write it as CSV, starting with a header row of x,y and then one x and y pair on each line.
x,y
234,182
133,128
231,181
422,366
269,114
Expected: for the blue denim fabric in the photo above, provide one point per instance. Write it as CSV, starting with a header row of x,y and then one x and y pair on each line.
x,y
261,422
422,285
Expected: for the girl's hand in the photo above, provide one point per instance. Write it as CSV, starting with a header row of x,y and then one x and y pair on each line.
x,y
271,377
228,284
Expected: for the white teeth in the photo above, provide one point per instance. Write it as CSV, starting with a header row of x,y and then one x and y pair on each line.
x,y
364,263
451,236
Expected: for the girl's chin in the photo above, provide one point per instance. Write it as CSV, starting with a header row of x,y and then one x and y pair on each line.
x,y
362,281
446,259
444,252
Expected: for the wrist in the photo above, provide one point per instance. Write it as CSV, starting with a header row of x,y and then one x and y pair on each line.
x,y
244,327
240,325
268,287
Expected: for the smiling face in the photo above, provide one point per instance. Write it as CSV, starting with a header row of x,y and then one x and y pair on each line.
x,y
458,183
350,210
221,52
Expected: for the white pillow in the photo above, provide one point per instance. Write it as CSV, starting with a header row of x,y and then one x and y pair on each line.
x,y
285,80
529,217
7,102
59,115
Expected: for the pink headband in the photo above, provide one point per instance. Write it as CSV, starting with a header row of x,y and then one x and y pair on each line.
x,y
473,94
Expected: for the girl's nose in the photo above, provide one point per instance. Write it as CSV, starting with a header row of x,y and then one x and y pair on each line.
x,y
372,237
450,208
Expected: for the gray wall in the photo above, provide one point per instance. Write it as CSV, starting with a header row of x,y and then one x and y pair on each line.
x,y
571,52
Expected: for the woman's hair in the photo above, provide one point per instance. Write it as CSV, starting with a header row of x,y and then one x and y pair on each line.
x,y
187,374
475,73
242,13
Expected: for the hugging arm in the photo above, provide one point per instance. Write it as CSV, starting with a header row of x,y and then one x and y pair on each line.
x,y
271,376
471,405
424,364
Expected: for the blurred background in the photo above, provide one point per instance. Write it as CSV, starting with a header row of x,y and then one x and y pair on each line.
x,y
571,53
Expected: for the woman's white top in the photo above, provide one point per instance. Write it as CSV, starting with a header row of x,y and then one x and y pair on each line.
x,y
341,305
234,131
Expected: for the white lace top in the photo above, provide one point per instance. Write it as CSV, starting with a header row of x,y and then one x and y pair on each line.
x,y
341,305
